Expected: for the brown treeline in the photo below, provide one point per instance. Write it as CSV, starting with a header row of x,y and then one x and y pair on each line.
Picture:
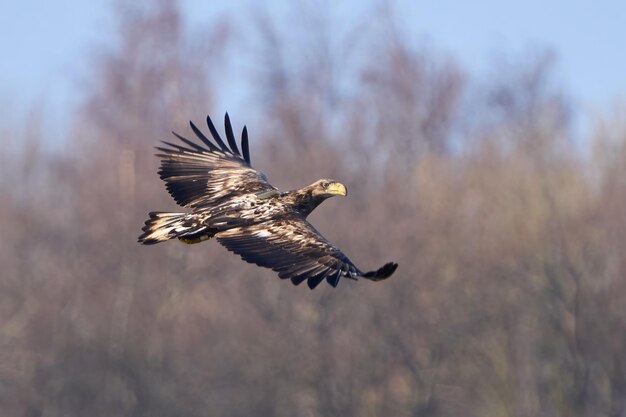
x,y
510,232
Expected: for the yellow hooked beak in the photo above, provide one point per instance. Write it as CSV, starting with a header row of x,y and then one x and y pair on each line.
x,y
337,188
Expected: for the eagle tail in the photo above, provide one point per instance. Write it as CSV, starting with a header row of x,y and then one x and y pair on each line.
x,y
162,226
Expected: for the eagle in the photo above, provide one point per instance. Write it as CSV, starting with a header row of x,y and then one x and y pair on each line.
x,y
234,203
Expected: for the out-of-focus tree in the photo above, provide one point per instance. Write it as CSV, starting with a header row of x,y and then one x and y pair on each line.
x,y
509,299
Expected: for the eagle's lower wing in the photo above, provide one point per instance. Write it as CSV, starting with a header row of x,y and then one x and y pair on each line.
x,y
293,248
197,175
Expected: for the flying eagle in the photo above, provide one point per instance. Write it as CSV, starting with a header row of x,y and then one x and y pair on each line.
x,y
235,203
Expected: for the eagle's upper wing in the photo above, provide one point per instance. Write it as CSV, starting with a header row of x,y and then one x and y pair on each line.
x,y
292,247
204,175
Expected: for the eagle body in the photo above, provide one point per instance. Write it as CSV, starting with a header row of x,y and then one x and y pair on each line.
x,y
234,203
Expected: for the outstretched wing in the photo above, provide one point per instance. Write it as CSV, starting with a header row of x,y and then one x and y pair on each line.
x,y
293,248
197,175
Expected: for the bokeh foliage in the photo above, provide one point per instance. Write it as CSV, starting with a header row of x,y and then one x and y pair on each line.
x,y
510,298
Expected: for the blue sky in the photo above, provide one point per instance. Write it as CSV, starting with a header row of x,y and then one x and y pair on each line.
x,y
47,45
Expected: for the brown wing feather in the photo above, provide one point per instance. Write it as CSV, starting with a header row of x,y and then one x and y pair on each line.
x,y
292,247
197,175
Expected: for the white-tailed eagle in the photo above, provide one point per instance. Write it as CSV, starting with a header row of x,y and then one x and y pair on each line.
x,y
234,203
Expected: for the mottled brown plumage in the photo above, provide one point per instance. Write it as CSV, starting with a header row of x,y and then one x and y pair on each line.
x,y
234,203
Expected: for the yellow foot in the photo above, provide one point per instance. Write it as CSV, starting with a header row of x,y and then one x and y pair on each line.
x,y
191,241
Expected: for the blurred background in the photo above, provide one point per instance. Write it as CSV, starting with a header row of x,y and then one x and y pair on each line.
x,y
484,147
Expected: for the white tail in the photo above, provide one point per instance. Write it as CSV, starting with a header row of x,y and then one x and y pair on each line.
x,y
162,226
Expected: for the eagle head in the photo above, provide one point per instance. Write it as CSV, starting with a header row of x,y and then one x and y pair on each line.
x,y
326,188
306,199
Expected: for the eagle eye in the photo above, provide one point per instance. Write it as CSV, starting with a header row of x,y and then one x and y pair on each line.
x,y
325,184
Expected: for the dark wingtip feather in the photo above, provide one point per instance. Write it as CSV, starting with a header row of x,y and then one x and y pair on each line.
x,y
315,280
334,279
230,136
200,135
187,141
216,135
381,273
172,148
244,145
297,280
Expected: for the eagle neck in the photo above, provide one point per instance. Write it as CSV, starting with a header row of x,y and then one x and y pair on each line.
x,y
304,202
